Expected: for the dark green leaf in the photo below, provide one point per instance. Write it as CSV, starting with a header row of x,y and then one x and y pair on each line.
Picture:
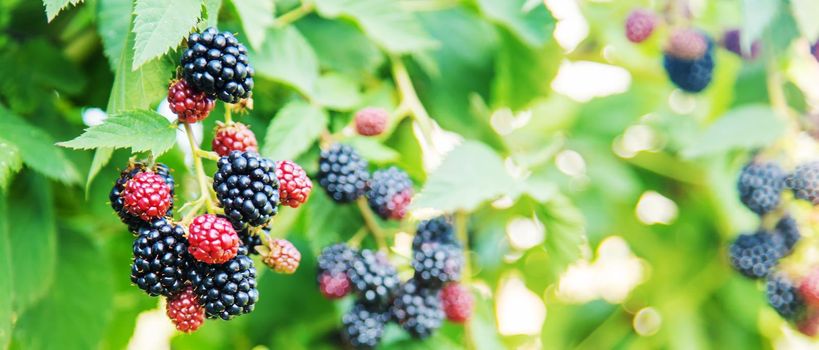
x,y
287,58
160,25
10,162
257,17
138,130
293,130
101,158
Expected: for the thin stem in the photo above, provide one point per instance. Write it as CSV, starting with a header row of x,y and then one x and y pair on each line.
x,y
228,115
372,224
355,241
207,154
204,191
466,274
409,97
288,18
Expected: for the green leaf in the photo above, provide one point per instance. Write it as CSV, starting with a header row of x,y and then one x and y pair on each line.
x,y
101,157
287,58
77,309
337,92
470,174
138,130
373,151
112,29
756,16
341,47
211,13
53,7
33,239
257,17
805,12
523,72
10,162
533,26
37,148
747,127
160,25
6,276
293,130
565,231
385,22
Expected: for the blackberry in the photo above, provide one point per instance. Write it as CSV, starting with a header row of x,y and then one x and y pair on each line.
x,y
343,173
639,25
457,302
435,230
216,63
118,202
760,186
247,188
336,258
804,182
731,41
161,261
250,241
363,326
783,296
687,44
281,256
417,309
389,193
371,121
233,137
435,264
188,104
184,311
809,288
212,239
690,75
755,255
373,277
227,290
294,185
788,231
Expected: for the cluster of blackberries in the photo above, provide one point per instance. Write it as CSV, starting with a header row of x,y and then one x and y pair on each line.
x,y
688,57
418,305
345,176
757,255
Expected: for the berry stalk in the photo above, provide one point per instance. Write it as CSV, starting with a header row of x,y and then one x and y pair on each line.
x,y
372,224
204,194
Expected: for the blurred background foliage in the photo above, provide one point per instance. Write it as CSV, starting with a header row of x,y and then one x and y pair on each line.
x,y
600,197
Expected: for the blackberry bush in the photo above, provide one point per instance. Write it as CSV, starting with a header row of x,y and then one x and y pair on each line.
x,y
161,261
343,173
247,188
216,63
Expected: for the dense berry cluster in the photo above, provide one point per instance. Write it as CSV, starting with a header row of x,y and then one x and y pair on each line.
x,y
217,64
640,24
436,264
161,260
188,104
436,230
247,188
343,173
390,193
233,137
760,186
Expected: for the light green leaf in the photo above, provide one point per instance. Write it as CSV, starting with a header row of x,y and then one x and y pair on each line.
x,y
287,58
523,72
385,22
293,130
337,92
33,239
470,174
112,29
101,157
212,8
78,307
160,25
756,16
341,47
37,149
565,231
533,26
746,127
10,162
373,150
257,17
138,130
53,7
805,12
6,276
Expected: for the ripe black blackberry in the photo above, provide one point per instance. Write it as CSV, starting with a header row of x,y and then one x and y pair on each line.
x,y
435,230
373,277
804,182
247,188
336,258
161,261
389,193
227,290
435,264
363,326
691,75
783,296
250,241
788,231
760,186
343,173
755,255
418,309
217,64
118,202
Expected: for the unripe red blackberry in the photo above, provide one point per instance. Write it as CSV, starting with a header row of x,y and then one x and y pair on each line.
x,y
188,104
390,193
343,173
371,121
217,64
333,264
212,239
640,24
760,186
418,309
233,137
804,182
184,310
363,326
334,285
457,302
247,188
809,323
809,287
687,44
294,184
282,256
373,277
118,202
147,196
